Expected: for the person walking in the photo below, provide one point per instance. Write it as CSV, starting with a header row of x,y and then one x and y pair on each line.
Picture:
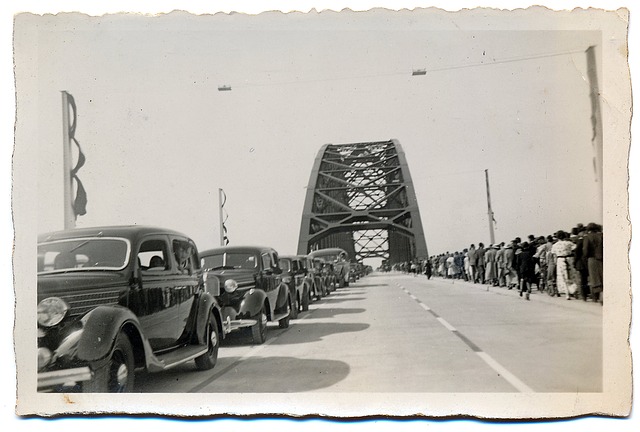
x,y
490,265
473,263
526,269
480,263
593,251
565,279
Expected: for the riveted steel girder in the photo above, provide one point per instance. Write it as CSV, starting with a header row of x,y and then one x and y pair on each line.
x,y
360,198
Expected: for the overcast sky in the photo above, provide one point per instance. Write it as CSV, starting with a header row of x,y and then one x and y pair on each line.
x,y
160,139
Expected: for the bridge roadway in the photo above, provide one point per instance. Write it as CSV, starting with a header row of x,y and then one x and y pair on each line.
x,y
399,333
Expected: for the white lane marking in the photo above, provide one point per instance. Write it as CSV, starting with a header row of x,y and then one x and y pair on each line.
x,y
511,378
446,324
501,370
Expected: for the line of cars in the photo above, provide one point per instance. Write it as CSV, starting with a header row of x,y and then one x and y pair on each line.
x,y
114,300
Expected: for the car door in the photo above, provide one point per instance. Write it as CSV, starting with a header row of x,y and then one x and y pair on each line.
x,y
269,280
186,287
155,303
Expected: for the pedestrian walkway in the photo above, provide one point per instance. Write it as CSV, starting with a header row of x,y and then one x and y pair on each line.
x,y
538,296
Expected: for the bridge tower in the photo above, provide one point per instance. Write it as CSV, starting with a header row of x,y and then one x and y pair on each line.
x,y
360,198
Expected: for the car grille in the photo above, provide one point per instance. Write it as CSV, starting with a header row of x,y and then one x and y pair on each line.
x,y
213,285
80,304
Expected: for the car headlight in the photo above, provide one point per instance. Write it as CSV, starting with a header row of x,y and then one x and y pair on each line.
x,y
230,285
51,311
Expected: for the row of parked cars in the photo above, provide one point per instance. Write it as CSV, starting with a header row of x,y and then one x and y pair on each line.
x,y
113,300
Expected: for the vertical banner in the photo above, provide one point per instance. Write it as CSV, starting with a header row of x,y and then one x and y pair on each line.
x,y
73,206
222,199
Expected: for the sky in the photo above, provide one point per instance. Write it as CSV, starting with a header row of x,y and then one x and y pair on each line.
x,y
126,116
160,139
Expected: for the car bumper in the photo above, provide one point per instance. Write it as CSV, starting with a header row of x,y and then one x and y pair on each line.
x,y
65,378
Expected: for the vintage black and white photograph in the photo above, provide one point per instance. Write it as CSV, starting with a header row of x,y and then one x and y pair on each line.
x,y
330,213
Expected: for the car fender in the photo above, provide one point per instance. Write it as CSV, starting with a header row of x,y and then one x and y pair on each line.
x,y
283,297
100,328
252,302
207,306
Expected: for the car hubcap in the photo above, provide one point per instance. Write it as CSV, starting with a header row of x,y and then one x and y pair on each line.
x,y
213,338
122,375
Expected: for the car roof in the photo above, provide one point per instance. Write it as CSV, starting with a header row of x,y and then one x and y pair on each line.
x,y
326,251
292,257
255,249
131,232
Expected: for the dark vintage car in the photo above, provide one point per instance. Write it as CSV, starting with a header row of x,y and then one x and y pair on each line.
x,y
247,283
294,274
315,276
115,299
337,263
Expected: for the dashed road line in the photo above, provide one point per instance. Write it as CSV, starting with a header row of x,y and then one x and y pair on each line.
x,y
501,370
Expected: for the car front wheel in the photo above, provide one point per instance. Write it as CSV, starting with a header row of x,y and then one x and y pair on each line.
x,y
259,329
284,322
117,374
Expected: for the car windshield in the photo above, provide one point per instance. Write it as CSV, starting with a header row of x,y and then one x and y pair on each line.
x,y
285,264
83,254
329,258
230,260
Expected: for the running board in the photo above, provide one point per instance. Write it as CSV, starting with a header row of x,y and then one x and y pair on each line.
x,y
280,316
181,355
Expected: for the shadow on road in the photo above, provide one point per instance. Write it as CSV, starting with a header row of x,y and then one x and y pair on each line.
x,y
285,375
304,332
332,312
331,299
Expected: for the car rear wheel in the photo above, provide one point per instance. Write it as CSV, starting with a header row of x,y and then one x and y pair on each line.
x,y
306,299
208,360
259,329
295,306
117,374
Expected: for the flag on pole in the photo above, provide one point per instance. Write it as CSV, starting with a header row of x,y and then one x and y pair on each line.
x,y
79,203
223,216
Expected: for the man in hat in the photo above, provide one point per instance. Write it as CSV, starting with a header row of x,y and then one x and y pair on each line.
x,y
592,249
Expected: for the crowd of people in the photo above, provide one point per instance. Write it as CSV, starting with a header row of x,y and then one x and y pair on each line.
x,y
568,264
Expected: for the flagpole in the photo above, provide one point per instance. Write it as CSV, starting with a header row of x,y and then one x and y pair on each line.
x,y
69,216
490,212
596,117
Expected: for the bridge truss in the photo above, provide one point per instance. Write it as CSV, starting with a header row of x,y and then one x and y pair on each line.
x,y
360,198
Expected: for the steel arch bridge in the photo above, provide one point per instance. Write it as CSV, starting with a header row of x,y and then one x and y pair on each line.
x,y
360,198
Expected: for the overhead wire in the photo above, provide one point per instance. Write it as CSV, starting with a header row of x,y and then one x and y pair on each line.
x,y
405,73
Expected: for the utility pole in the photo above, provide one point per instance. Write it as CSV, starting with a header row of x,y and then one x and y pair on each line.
x,y
596,117
490,212
69,215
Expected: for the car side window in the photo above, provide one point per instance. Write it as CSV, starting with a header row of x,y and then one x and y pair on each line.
x,y
153,256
